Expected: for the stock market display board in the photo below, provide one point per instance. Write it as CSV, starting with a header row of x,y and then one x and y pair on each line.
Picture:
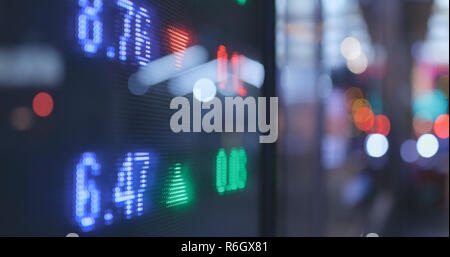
x,y
91,142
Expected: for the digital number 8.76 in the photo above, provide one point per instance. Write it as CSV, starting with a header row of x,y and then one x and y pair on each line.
x,y
136,25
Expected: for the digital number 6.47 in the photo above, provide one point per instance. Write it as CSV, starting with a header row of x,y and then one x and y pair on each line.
x,y
128,191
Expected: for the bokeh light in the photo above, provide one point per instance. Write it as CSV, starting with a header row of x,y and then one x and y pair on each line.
x,y
441,128
21,118
427,145
43,104
382,125
204,90
408,151
360,103
353,93
376,145
376,102
364,119
358,65
422,124
432,103
356,189
351,48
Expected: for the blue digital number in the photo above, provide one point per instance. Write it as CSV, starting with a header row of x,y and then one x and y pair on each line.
x,y
90,25
142,23
125,37
87,194
126,193
90,30
142,37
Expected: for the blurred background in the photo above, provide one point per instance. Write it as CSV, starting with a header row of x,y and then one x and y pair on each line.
x,y
364,93
363,89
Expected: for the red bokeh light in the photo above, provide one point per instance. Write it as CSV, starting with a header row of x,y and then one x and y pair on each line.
x,y
382,125
43,104
441,126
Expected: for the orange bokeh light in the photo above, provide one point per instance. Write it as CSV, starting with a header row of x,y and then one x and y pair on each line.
x,y
364,118
441,126
360,103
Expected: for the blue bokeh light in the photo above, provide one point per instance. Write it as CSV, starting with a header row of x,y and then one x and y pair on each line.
x,y
408,151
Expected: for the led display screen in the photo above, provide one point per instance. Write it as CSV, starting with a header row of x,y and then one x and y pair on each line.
x,y
99,157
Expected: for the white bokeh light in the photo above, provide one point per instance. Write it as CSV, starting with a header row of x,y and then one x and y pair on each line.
x,y
351,48
358,65
204,90
427,145
376,145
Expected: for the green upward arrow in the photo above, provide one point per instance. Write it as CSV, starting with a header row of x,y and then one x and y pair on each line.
x,y
177,189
